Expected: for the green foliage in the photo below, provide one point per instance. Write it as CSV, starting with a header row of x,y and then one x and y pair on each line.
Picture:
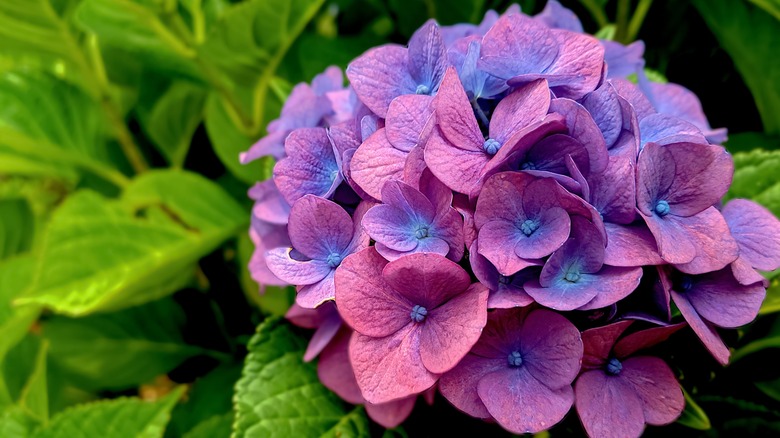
x,y
279,395
209,397
102,255
218,425
124,417
120,350
17,226
751,36
755,178
693,416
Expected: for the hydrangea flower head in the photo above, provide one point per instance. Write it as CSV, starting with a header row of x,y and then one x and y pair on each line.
x,y
477,209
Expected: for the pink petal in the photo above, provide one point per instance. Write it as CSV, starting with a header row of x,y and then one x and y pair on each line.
x,y
365,301
426,279
459,169
375,162
449,331
378,76
657,388
551,348
455,116
715,248
630,245
390,368
522,404
409,121
608,407
645,339
319,227
459,385
335,370
525,106
598,343
392,413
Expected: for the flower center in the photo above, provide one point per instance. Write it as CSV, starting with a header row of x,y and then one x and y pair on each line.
x,y
614,366
528,166
421,232
491,146
418,313
529,227
515,359
661,208
572,276
334,259
422,89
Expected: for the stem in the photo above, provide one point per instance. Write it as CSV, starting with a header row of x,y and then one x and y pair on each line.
x,y
123,135
638,19
483,120
623,8
596,11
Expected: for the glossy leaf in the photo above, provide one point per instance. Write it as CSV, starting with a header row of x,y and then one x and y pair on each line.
x,y
103,255
279,395
693,416
755,178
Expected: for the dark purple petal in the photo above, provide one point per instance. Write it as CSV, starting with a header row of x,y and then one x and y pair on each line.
x,y
505,291
310,166
459,385
604,106
450,330
584,129
375,162
390,368
335,370
706,333
757,231
425,279
613,192
721,300
634,95
380,75
657,388
598,343
644,339
608,407
551,348
619,283
427,57
409,121
365,301
522,404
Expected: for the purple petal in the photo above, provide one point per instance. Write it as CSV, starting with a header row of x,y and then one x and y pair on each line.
x,y
578,68
319,228
379,75
295,271
689,177
621,60
604,106
415,166
365,301
457,168
554,225
678,101
335,370
390,368
613,192
516,45
598,343
745,274
554,15
272,144
630,245
583,128
551,348
258,266
715,248
324,335
449,331
505,292
409,121
494,239
657,388
525,106
644,339
721,300
448,226
310,166
459,385
428,245
313,295
674,244
391,227
376,162
757,231
634,95
425,279
664,129
455,116
427,56
709,337
608,407
618,284
392,413
409,200
270,205
522,404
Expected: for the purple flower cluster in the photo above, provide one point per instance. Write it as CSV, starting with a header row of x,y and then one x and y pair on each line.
x,y
447,216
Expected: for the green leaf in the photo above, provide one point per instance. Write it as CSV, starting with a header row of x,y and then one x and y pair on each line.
x,y
279,395
747,141
210,396
139,29
772,341
771,6
770,388
771,303
755,178
120,350
693,416
18,368
15,423
124,417
104,255
17,227
170,120
35,394
216,426
751,36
